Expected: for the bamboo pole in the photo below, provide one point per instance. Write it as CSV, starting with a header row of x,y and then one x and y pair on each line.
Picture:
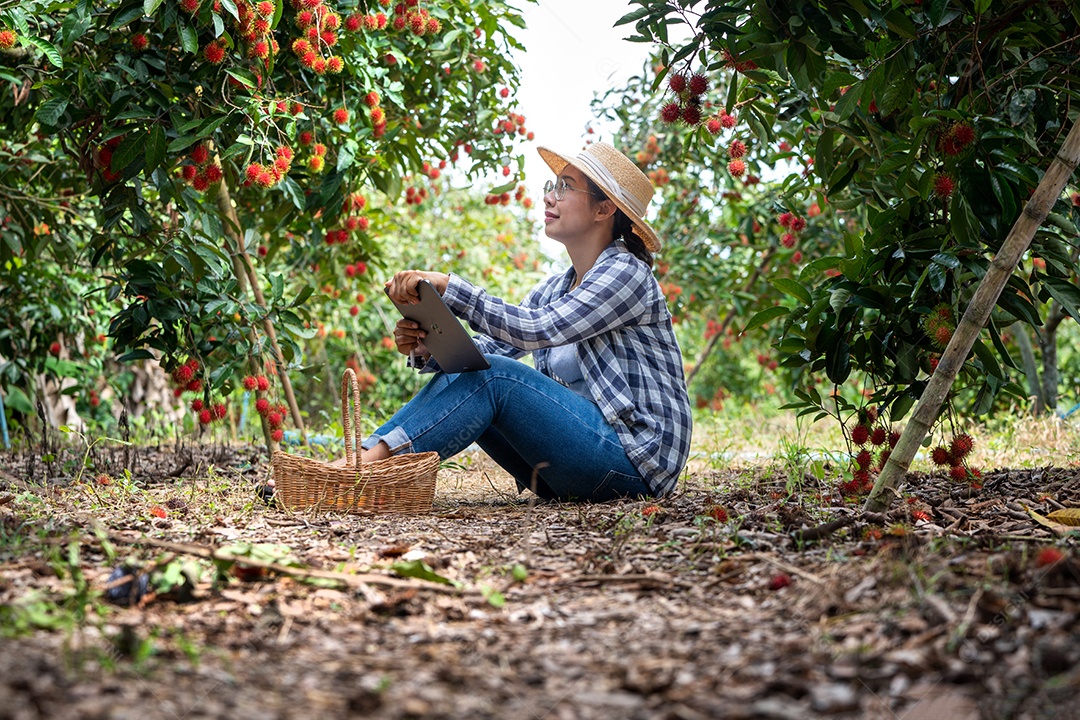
x,y
242,261
975,317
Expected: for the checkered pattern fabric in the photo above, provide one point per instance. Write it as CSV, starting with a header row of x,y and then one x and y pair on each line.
x,y
619,320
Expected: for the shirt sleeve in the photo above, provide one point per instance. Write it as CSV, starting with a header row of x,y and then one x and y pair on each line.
x,y
613,295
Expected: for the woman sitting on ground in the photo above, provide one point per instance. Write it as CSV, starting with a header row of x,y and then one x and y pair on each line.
x,y
604,414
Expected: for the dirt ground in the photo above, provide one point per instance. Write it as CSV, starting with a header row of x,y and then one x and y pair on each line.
x,y
953,605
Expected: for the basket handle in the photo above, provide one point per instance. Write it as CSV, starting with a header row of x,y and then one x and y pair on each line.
x,y
351,429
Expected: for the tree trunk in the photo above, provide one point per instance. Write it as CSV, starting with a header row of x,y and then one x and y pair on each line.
x,y
975,317
242,261
1031,368
704,355
1048,345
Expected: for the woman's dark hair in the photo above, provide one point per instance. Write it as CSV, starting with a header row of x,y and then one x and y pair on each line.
x,y
623,227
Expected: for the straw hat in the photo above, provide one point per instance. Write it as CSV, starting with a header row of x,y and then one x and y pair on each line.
x,y
619,179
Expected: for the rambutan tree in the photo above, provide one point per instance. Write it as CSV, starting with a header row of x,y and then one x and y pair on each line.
x,y
925,129
210,163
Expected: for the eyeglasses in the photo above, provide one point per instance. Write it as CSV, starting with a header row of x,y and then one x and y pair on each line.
x,y
560,187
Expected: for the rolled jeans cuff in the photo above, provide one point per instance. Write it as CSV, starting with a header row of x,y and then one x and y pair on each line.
x,y
395,439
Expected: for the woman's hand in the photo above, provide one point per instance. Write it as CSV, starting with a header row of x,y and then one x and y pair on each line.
x,y
410,338
402,287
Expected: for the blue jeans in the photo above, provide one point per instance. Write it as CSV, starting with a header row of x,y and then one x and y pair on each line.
x,y
550,439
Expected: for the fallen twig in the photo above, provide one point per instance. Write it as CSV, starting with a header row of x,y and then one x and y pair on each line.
x,y
347,579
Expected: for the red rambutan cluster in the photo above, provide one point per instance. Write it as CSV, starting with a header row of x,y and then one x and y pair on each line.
x,y
275,417
794,224
955,458
319,25
269,175
201,173
688,104
105,156
956,138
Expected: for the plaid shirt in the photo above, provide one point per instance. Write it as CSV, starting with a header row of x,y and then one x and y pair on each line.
x,y
619,319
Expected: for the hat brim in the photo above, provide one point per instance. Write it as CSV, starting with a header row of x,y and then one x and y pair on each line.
x,y
642,229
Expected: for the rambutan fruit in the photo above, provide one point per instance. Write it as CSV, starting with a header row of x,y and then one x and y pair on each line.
x,y
944,186
273,419
788,240
200,154
691,114
798,224
940,455
139,42
670,112
196,405
7,39
779,581
713,125
262,406
200,183
894,437
334,64
249,382
316,163
963,134
958,472
1048,556
188,172
214,53
785,219
727,121
677,82
277,435
718,513
961,445
219,410
943,335
863,459
319,150
341,116
262,383
353,23
736,168
878,436
860,434
698,84
433,26
206,416
189,6
736,149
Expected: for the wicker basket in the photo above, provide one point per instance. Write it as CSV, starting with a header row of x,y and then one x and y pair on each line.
x,y
400,484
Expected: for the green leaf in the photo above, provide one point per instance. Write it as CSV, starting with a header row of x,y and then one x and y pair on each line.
x,y
765,316
49,49
130,148
155,148
50,111
792,288
988,360
189,38
1066,293
420,570
150,6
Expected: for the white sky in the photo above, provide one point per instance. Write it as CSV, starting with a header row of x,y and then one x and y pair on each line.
x,y
572,52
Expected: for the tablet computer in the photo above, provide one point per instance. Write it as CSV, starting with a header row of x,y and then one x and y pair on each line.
x,y
447,339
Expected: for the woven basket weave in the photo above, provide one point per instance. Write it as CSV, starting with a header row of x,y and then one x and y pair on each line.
x,y
399,484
